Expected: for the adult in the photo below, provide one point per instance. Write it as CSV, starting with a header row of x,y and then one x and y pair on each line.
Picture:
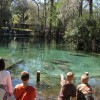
x,y
24,91
5,82
68,90
84,90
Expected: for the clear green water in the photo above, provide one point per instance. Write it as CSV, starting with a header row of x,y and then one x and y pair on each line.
x,y
51,60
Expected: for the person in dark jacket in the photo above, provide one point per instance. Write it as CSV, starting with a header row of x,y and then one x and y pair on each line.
x,y
68,90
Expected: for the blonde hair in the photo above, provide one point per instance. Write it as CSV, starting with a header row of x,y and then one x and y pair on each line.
x,y
69,75
84,78
87,73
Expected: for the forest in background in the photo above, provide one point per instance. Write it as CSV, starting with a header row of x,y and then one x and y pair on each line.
x,y
73,21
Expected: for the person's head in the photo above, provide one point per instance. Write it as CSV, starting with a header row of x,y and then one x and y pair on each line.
x,y
69,76
87,73
84,79
24,76
2,64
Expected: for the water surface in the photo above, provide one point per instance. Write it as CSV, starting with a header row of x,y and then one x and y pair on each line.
x,y
51,60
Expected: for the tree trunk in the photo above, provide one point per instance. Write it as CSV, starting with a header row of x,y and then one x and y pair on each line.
x,y
45,14
22,18
80,8
52,2
0,14
90,8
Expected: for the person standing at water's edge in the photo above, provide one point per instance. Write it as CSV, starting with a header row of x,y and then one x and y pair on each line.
x,y
24,91
5,82
84,91
68,90
87,73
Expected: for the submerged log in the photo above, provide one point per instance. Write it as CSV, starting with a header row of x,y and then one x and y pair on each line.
x,y
82,55
60,62
21,61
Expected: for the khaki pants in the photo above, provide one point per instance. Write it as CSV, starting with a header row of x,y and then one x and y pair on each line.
x,y
2,92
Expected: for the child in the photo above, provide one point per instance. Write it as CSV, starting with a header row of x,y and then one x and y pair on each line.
x,y
68,90
84,91
23,91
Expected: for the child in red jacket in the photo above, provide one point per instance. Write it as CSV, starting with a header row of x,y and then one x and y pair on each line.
x,y
23,91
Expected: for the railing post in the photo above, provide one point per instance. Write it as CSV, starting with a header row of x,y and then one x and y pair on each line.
x,y
38,79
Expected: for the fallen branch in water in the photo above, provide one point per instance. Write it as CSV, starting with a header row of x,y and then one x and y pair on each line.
x,y
21,61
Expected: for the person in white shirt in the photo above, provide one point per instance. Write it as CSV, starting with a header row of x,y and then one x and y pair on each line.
x,y
5,82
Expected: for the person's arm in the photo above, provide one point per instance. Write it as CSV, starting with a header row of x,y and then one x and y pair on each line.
x,y
72,98
14,92
77,92
62,77
62,82
9,84
34,95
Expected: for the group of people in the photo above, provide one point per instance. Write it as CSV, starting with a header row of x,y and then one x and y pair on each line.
x,y
24,91
21,91
68,90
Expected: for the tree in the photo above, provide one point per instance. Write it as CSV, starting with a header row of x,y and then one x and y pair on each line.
x,y
90,8
20,7
5,13
51,9
80,7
